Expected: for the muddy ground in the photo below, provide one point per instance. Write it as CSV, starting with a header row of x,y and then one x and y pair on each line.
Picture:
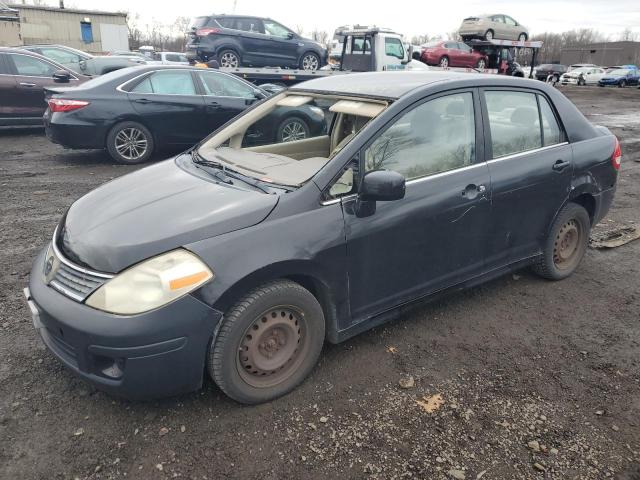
x,y
537,379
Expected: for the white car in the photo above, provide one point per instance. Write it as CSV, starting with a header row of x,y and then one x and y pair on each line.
x,y
583,76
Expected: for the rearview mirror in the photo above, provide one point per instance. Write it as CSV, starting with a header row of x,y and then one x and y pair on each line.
x,y
61,76
382,185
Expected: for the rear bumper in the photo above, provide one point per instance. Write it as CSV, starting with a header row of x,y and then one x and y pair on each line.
x,y
73,135
150,355
603,203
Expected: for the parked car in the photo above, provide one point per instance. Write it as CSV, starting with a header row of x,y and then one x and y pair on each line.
x,y
555,70
82,62
583,76
133,112
452,54
170,58
127,53
251,41
490,27
23,77
620,77
242,261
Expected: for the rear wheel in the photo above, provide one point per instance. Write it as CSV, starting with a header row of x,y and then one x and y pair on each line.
x,y
268,343
130,143
229,59
522,37
481,64
488,35
444,62
566,243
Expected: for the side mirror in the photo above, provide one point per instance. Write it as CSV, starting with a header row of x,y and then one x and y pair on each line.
x,y
409,55
290,35
382,185
271,88
61,76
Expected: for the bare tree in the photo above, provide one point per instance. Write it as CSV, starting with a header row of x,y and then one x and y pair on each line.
x,y
299,29
319,36
628,35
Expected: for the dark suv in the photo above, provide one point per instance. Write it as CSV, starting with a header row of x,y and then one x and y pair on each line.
x,y
252,41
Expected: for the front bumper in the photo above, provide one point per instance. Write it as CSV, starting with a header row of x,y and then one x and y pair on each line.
x,y
139,357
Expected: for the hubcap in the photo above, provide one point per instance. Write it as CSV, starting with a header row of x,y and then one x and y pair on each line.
x,y
292,131
229,59
272,347
567,245
310,62
131,143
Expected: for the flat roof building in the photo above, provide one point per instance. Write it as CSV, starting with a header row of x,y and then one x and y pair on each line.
x,y
604,53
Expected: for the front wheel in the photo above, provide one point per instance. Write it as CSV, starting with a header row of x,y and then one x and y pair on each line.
x,y
130,143
481,65
522,37
622,84
488,35
268,343
229,59
581,81
292,129
566,243
310,61
444,62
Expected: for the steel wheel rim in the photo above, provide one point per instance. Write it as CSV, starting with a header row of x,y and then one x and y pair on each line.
x,y
444,62
567,245
131,143
309,62
273,347
229,59
292,131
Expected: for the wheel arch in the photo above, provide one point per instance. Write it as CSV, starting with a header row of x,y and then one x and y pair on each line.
x,y
304,272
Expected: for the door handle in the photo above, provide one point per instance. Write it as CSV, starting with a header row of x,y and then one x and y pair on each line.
x,y
142,100
213,105
560,165
27,84
472,190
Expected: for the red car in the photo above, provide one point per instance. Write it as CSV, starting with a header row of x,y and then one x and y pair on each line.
x,y
452,54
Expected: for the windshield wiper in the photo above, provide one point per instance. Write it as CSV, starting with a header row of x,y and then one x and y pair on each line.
x,y
224,174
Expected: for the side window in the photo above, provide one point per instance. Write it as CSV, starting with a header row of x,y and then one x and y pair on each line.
x,y
226,22
173,57
497,18
346,182
437,136
464,47
31,66
169,82
220,85
61,56
551,133
4,70
252,25
393,47
275,29
509,21
514,122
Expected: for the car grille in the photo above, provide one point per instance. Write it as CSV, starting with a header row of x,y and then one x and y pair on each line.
x,y
74,283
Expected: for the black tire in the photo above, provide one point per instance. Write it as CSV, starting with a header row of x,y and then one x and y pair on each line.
x,y
309,61
488,35
481,64
522,37
292,129
443,62
227,362
566,243
622,84
130,143
581,81
229,58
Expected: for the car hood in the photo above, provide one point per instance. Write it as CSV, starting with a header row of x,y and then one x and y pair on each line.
x,y
154,210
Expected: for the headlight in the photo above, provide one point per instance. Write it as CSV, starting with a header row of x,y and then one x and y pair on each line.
x,y
151,284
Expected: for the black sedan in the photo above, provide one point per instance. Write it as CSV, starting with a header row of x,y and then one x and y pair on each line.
x,y
134,111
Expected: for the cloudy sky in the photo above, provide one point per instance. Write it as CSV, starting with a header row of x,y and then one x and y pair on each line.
x,y
411,17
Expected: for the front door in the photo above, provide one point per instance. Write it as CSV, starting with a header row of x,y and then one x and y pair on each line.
x,y
224,96
31,75
170,106
283,44
531,171
433,238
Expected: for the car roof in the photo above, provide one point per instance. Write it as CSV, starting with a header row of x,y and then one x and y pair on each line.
x,y
393,85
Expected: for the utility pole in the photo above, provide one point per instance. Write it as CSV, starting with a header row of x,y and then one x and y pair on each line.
x,y
235,3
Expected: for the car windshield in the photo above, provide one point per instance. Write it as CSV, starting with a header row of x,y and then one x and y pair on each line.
x,y
288,138
619,71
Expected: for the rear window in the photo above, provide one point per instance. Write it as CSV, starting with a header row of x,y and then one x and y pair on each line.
x,y
199,22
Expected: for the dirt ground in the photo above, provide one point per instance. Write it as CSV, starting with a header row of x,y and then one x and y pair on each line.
x,y
537,379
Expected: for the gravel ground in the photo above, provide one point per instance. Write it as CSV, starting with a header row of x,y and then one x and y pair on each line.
x,y
517,379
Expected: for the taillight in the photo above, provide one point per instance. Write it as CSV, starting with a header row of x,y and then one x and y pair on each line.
x,y
203,32
616,158
60,105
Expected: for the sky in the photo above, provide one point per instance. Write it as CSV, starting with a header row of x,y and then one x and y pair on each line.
x,y
410,17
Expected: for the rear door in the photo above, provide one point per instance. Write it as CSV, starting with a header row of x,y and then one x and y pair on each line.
x,y
169,104
224,97
531,167
467,58
31,75
498,26
434,236
253,40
